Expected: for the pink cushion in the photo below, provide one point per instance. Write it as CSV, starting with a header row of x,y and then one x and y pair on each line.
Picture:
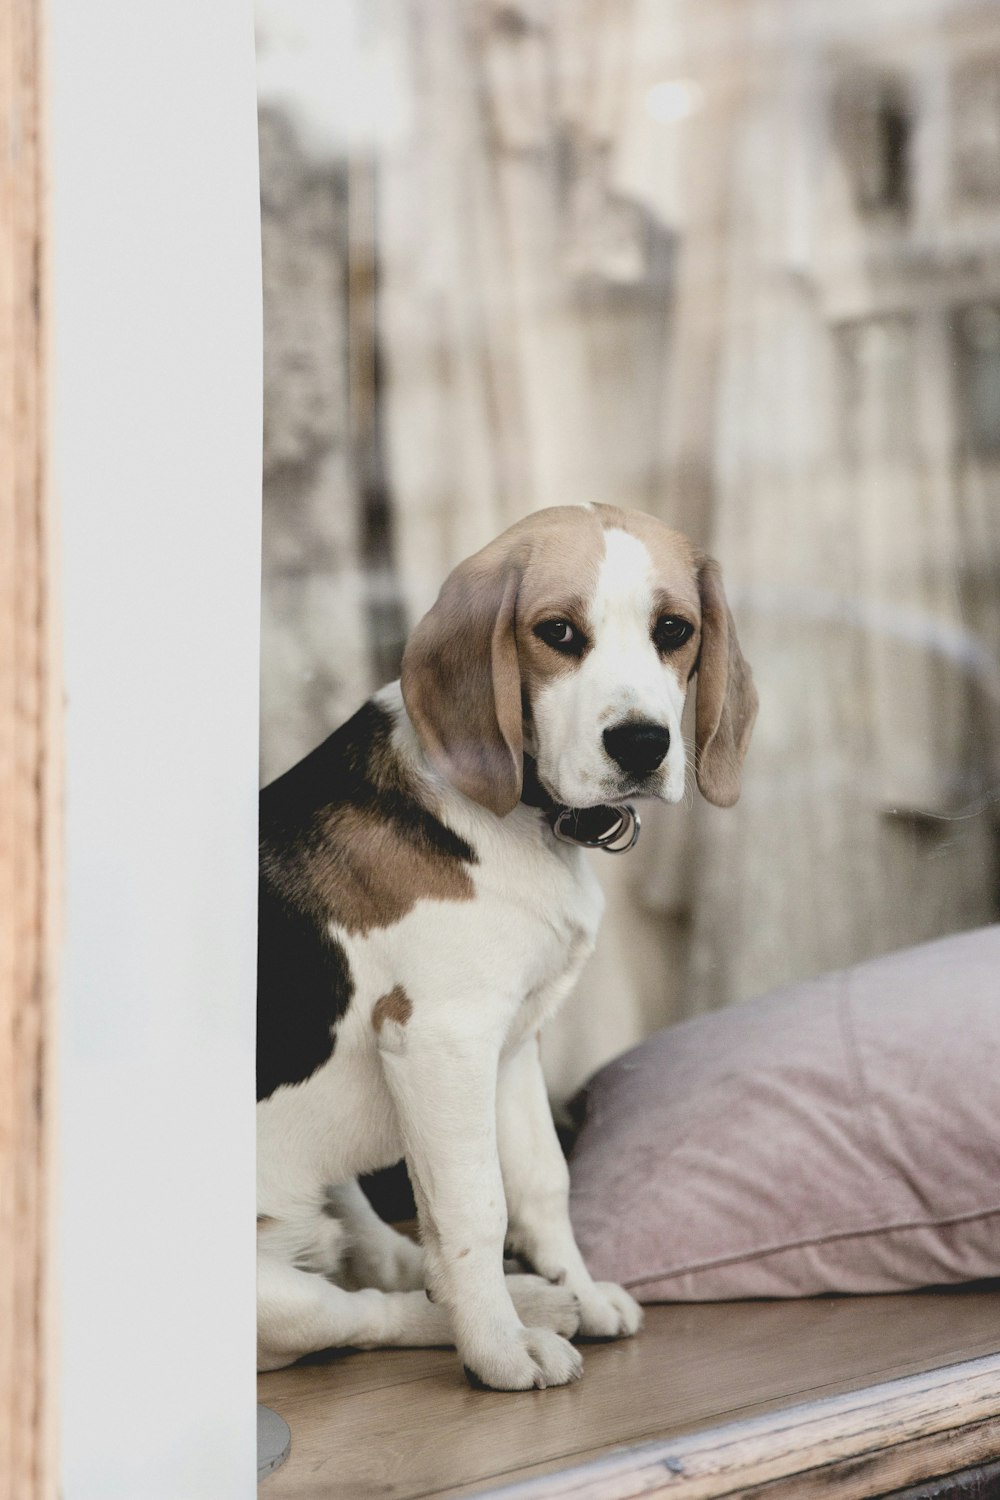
x,y
842,1135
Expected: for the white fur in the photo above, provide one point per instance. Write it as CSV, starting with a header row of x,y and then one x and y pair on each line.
x,y
622,676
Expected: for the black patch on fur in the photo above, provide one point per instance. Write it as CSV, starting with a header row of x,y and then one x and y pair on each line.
x,y
390,1194
304,986
304,983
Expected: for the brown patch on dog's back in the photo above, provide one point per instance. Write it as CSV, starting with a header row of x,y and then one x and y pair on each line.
x,y
353,886
365,848
395,1006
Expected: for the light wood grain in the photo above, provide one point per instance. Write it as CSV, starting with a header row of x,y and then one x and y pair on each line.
x,y
404,1424
26,829
850,1446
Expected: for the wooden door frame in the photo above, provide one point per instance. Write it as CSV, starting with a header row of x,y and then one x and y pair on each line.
x,y
29,815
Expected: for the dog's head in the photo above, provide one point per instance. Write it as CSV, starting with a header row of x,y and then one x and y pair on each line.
x,y
574,636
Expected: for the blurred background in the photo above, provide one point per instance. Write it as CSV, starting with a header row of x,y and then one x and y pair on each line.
x,y
732,262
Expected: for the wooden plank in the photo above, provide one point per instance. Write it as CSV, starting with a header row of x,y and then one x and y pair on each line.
x,y
848,1446
891,1465
855,1478
27,773
404,1424
350,1374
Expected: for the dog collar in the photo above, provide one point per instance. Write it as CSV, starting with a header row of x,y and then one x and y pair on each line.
x,y
615,829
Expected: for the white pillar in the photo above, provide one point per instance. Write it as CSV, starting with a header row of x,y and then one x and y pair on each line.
x,y
156,461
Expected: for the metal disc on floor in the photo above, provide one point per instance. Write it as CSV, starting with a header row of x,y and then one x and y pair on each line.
x,y
273,1441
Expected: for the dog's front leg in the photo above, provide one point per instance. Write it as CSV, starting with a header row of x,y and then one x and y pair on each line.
x,y
536,1181
443,1083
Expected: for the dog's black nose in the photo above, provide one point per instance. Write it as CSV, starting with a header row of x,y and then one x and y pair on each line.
x,y
638,746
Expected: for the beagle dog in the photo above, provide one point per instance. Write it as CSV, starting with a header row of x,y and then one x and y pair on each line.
x,y
425,906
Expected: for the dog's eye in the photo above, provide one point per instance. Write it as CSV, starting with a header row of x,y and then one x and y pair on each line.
x,y
671,632
562,636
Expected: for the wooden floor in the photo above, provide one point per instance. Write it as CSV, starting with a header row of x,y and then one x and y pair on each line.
x,y
399,1424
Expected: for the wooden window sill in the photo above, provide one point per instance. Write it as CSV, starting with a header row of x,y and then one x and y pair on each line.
x,y
845,1397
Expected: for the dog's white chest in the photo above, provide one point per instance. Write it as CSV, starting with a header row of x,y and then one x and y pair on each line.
x,y
546,910
546,991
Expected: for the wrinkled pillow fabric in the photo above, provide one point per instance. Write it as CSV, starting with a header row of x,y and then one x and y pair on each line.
x,y
841,1135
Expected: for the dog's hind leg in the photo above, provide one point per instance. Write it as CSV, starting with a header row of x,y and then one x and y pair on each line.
x,y
301,1312
377,1254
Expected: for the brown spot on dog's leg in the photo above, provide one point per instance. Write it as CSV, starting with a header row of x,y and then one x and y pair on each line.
x,y
463,1253
395,1006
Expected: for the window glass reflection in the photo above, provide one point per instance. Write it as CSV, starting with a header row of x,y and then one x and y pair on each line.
x,y
736,265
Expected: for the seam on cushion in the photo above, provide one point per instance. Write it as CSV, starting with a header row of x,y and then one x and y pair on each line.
x,y
824,1239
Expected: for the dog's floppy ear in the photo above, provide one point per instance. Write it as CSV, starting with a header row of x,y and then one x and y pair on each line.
x,y
726,703
462,684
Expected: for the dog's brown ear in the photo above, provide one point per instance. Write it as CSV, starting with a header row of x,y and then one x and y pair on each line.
x,y
726,703
462,684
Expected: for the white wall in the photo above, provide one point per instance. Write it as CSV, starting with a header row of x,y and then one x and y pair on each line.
x,y
156,449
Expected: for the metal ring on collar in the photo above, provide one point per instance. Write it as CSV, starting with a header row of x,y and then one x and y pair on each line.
x,y
618,839
628,830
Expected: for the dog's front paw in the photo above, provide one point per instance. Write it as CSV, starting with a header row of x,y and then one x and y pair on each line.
x,y
528,1359
540,1304
608,1312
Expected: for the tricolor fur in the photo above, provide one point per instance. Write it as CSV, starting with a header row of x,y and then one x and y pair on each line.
x,y
420,923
